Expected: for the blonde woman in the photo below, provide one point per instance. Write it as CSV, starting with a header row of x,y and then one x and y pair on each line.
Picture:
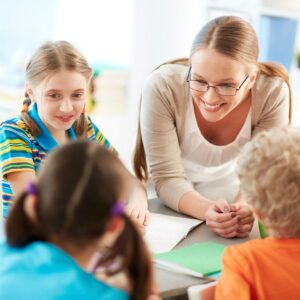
x,y
197,114
57,82
269,171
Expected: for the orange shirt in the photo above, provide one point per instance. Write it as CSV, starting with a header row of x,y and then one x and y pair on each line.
x,y
267,269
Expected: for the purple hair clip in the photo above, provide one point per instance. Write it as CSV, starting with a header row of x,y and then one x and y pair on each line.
x,y
31,189
117,209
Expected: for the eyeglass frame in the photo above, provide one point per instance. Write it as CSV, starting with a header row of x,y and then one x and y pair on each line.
x,y
213,86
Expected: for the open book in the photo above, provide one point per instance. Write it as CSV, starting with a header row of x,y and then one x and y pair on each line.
x,y
165,232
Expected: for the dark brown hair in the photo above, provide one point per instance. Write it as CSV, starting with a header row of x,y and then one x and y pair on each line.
x,y
50,58
76,189
233,37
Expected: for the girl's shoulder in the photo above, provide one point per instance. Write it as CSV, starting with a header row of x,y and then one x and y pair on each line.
x,y
71,280
15,127
92,129
95,134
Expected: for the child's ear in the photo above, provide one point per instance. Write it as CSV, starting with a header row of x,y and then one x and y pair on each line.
x,y
29,207
29,91
113,230
115,224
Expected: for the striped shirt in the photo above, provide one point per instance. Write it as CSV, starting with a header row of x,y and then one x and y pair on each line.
x,y
21,151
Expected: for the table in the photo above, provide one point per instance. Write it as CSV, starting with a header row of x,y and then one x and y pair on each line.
x,y
173,285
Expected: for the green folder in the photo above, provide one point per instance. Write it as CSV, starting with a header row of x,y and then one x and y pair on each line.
x,y
262,230
201,259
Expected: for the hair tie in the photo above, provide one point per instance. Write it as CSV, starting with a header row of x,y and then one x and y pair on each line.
x,y
117,209
31,189
25,108
26,104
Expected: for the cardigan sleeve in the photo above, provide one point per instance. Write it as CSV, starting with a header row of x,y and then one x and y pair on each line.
x,y
274,103
161,142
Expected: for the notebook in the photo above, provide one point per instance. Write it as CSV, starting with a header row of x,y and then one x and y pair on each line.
x,y
199,260
165,232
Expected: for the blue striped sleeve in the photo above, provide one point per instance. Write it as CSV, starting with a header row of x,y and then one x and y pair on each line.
x,y
94,134
15,151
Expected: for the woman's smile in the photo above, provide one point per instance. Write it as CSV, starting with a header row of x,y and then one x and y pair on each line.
x,y
211,107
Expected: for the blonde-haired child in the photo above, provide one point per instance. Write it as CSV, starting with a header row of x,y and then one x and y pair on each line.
x,y
269,171
57,82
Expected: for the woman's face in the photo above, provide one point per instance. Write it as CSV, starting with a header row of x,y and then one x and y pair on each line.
x,y
215,69
60,99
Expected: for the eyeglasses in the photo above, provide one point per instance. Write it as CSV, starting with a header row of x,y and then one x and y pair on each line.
x,y
222,89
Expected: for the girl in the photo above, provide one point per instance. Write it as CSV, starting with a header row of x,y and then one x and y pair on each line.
x,y
195,118
53,229
57,81
269,171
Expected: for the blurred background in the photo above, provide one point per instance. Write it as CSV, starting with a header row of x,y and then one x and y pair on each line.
x,y
124,40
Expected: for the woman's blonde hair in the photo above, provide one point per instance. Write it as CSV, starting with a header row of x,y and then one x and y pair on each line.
x,y
51,58
236,38
233,37
269,172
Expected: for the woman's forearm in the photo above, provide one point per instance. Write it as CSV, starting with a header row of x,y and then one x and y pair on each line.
x,y
195,205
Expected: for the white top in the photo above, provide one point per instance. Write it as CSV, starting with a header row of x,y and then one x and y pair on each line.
x,y
211,168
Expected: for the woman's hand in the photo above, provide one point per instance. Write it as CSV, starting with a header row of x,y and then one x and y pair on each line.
x,y
222,218
245,219
245,214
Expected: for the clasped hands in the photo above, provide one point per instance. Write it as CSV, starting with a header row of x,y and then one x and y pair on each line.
x,y
229,220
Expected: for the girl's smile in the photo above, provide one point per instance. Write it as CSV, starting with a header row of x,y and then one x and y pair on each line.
x,y
60,101
65,119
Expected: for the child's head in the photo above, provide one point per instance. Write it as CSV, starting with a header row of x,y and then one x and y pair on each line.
x,y
75,201
57,79
269,171
76,189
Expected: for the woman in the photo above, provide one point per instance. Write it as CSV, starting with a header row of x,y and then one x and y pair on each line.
x,y
196,116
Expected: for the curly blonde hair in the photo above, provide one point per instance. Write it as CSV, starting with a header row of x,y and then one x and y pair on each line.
x,y
269,172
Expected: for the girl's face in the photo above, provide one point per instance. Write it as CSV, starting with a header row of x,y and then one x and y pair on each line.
x,y
60,99
215,69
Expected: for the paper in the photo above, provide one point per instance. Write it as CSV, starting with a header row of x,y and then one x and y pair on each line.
x,y
200,259
162,264
165,232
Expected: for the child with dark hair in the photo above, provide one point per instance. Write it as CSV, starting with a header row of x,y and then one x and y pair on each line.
x,y
56,226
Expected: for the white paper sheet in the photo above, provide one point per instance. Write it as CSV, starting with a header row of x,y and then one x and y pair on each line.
x,y
165,232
